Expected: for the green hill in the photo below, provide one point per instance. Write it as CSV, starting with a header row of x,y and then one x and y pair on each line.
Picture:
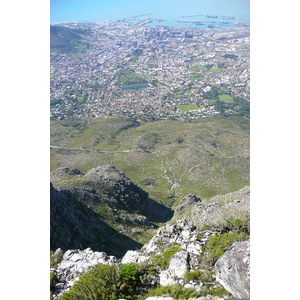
x,y
67,40
168,159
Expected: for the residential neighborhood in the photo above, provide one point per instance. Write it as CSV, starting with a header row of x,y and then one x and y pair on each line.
x,y
138,70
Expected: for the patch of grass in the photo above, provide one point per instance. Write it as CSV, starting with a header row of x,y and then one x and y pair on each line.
x,y
177,292
128,77
215,70
225,97
187,107
197,67
197,77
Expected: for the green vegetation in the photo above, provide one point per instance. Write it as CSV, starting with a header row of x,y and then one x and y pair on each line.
x,y
219,243
53,75
187,107
55,259
207,157
128,77
234,230
225,97
197,77
101,282
67,40
135,57
106,282
177,292
199,276
231,56
197,68
215,70
245,48
163,259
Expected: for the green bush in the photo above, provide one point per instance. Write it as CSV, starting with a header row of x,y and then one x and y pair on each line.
x,y
199,276
104,282
100,283
236,225
52,279
219,243
177,292
163,259
130,280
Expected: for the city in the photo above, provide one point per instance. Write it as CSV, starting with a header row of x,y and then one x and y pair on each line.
x,y
157,72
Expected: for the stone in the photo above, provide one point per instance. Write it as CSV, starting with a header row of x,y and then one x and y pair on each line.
x,y
165,278
133,257
179,264
233,270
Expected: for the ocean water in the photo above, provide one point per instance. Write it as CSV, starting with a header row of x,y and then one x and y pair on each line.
x,y
171,11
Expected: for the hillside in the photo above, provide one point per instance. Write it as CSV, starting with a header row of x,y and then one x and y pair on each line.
x,y
168,159
67,40
102,209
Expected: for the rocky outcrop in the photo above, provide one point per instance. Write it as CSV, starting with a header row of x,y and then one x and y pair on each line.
x,y
233,270
114,183
186,202
182,234
100,209
75,226
216,211
74,264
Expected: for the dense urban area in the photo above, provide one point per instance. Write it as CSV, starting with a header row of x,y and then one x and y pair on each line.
x,y
156,72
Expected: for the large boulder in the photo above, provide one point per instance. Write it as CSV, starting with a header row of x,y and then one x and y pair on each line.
x,y
179,264
233,270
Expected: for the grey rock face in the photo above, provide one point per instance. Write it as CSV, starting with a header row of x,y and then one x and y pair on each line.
x,y
233,270
134,257
215,211
179,264
63,172
114,182
186,201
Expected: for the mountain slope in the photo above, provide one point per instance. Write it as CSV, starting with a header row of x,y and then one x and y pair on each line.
x,y
75,226
168,159
103,195
67,40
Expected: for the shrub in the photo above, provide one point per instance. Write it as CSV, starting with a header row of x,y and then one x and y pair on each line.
x,y
177,292
163,259
52,279
199,276
130,280
104,282
100,283
220,243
